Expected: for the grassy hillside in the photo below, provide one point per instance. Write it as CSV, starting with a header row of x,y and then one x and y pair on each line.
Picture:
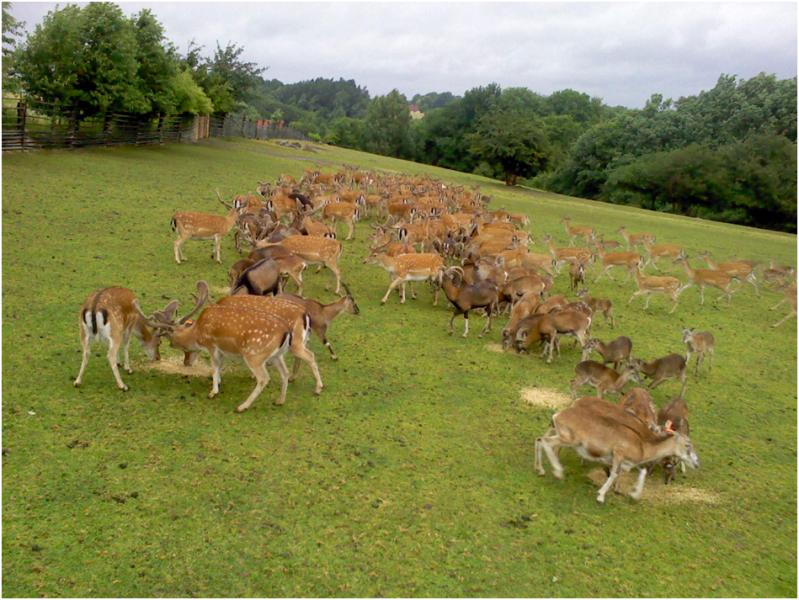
x,y
412,474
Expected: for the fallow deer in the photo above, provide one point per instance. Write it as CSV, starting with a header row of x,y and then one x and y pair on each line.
x,y
108,316
202,226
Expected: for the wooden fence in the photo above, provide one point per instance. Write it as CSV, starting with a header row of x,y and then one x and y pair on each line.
x,y
28,124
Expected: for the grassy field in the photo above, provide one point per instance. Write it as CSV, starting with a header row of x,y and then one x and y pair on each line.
x,y
412,474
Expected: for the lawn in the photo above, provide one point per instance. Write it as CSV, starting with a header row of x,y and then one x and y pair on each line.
x,y
412,474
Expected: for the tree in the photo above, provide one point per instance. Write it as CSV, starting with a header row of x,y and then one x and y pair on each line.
x,y
512,142
157,63
188,96
387,126
11,30
86,58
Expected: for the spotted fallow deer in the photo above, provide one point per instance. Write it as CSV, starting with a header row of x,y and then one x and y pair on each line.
x,y
605,432
259,337
409,268
108,316
203,226
313,250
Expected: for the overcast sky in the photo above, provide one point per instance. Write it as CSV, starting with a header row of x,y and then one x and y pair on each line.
x,y
621,52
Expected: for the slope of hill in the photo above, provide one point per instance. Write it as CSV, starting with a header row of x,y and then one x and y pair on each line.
x,y
412,474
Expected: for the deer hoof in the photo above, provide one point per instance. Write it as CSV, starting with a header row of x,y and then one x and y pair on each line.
x,y
129,371
333,357
76,383
124,388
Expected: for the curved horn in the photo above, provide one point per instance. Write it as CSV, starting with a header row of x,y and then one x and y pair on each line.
x,y
200,298
159,319
225,204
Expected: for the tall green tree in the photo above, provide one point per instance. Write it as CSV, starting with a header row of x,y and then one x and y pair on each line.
x,y
387,126
86,58
157,62
512,142
12,29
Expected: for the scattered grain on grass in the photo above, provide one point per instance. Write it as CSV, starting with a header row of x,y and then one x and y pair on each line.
x,y
544,398
173,365
656,491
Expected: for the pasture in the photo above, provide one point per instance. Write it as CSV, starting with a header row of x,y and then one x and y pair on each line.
x,y
412,473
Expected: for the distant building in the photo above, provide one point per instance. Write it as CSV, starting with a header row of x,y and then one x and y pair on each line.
x,y
416,113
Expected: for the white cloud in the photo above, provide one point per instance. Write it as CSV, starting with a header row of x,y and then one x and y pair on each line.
x,y
622,52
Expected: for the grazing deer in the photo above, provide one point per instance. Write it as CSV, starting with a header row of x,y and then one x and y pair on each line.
x,y
575,231
409,268
790,296
203,226
313,250
576,275
615,351
634,239
598,305
604,379
257,336
322,315
672,366
705,277
648,285
742,271
604,432
109,316
701,343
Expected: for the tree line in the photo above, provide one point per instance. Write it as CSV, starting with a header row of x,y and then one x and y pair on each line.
x,y
728,153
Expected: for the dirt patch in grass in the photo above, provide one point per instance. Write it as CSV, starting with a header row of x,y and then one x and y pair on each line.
x,y
173,365
656,491
495,348
545,398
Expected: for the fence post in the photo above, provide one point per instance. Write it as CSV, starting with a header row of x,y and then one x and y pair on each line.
x,y
22,113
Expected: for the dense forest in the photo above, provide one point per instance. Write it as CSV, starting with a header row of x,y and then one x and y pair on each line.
x,y
727,153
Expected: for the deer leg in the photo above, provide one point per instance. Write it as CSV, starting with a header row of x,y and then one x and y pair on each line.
x,y
391,286
282,369
113,354
780,303
299,350
702,295
218,248
614,473
86,346
673,308
337,273
125,348
635,294
546,444
465,323
178,254
330,348
648,300
451,329
216,377
487,327
258,369
639,485
351,231
413,291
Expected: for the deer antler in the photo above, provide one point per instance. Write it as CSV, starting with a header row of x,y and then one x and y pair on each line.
x,y
225,204
199,298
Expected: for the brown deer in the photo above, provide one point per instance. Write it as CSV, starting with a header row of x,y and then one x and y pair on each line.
x,y
202,226
604,432
109,316
634,239
705,277
342,211
701,343
604,379
742,271
575,231
656,251
629,260
648,285
313,250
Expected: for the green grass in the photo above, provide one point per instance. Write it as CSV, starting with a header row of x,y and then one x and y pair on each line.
x,y
411,475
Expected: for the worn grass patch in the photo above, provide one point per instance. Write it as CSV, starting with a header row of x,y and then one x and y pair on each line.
x,y
679,491
544,398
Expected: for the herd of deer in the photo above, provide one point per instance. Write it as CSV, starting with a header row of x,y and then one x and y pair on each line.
x,y
425,231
